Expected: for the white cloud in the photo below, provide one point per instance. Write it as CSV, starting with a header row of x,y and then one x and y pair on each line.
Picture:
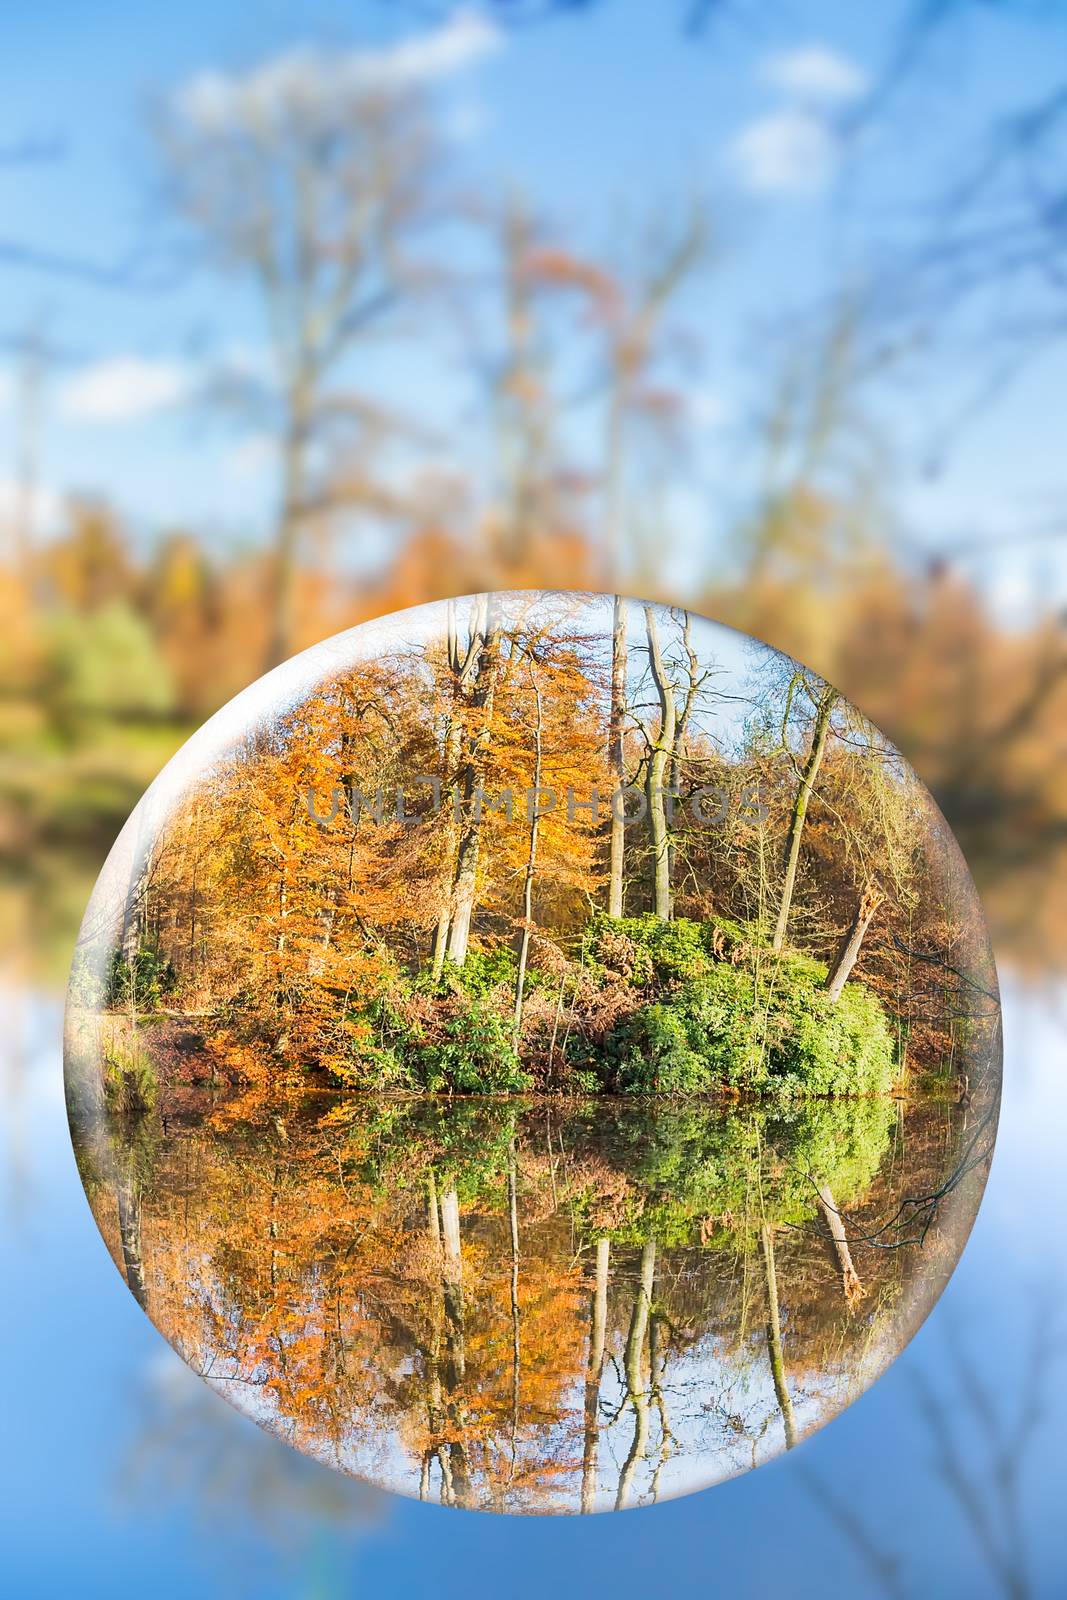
x,y
467,122
466,38
792,151
252,456
247,361
708,409
304,81
816,73
6,389
122,389
46,509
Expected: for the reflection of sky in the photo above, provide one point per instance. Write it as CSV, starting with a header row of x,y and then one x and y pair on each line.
x,y
81,1517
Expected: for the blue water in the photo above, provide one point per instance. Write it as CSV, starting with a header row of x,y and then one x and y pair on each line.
x,y
123,1475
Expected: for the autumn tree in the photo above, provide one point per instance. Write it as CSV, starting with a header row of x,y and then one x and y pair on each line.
x,y
470,777
316,197
461,667
823,701
633,307
659,764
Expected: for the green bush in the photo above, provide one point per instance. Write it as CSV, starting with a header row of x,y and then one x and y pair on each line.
x,y
473,1055
482,972
465,1051
649,950
828,1049
778,1033
657,1056
688,1008
102,663
387,1055
130,1080
151,977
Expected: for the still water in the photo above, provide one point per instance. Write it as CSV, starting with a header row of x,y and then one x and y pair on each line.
x,y
531,1305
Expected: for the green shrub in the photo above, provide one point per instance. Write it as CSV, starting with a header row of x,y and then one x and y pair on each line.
x,y
649,950
657,1056
482,972
680,1008
778,1033
387,1045
151,976
823,1048
130,1081
724,1013
473,1054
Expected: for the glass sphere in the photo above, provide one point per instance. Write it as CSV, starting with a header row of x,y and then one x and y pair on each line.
x,y
539,1052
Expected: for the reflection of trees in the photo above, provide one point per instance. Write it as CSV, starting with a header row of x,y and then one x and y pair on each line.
x,y
983,1441
774,1339
398,1287
637,1395
116,1169
594,1368
989,1492
835,1226
455,1358
188,1444
128,1196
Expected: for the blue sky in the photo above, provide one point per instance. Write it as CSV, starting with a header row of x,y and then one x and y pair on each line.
x,y
596,121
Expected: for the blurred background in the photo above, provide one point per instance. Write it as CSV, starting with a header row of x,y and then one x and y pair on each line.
x,y
309,312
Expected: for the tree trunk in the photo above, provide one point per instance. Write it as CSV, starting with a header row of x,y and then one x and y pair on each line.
x,y
657,1372
531,868
633,1364
433,1214
133,907
473,772
459,669
593,1372
849,948
820,732
774,1340
452,1265
616,743
283,912
317,957
657,771
678,746
835,1222
194,890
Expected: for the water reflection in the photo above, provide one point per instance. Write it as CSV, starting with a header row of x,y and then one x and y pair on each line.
x,y
528,1305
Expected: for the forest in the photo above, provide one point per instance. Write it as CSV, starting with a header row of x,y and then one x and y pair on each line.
x,y
554,843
